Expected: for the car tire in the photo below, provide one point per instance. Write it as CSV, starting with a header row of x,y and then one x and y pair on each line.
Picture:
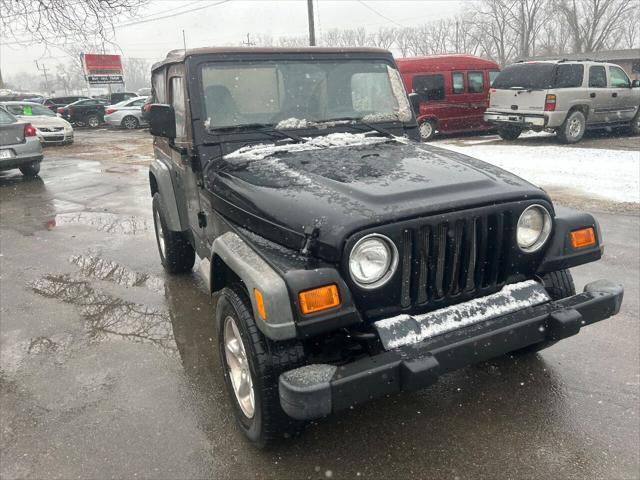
x,y
634,128
573,128
427,130
31,169
260,362
130,122
176,252
559,285
509,133
92,121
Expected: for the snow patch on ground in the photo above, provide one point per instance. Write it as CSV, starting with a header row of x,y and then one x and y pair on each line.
x,y
610,174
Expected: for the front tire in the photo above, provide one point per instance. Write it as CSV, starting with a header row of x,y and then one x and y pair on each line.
x,y
573,128
30,170
427,130
252,366
509,133
634,128
92,121
176,252
559,285
130,123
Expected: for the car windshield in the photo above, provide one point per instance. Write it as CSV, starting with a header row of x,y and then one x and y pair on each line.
x,y
527,76
299,94
28,110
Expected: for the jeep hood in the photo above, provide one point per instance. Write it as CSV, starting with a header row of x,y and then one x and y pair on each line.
x,y
345,188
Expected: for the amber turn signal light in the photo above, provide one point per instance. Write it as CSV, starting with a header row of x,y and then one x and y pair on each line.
x,y
319,299
585,237
260,304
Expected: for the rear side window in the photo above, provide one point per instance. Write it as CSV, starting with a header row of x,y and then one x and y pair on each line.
x,y
597,77
492,76
177,102
476,82
5,117
159,90
457,82
569,76
429,87
527,76
619,79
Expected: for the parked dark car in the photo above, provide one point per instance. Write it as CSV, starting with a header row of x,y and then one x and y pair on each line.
x,y
56,102
348,260
88,112
117,97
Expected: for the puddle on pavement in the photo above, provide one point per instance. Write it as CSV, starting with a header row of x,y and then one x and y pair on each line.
x,y
100,268
107,222
108,317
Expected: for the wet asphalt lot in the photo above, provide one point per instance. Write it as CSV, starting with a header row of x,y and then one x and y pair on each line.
x,y
109,369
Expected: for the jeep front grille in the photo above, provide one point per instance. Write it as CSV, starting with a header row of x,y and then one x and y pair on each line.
x,y
444,259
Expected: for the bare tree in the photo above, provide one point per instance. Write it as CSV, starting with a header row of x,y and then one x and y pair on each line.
x,y
594,22
137,73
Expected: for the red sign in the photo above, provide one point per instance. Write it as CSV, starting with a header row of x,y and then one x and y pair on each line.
x,y
97,64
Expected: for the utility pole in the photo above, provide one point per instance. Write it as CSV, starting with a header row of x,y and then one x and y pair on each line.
x,y
312,28
43,69
248,43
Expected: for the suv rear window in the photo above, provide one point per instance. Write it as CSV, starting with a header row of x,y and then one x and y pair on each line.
x,y
534,76
569,76
429,87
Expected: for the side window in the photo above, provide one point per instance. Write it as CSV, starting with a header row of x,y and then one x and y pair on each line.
x,y
137,103
569,75
177,102
597,77
159,90
492,76
457,82
476,82
429,87
619,79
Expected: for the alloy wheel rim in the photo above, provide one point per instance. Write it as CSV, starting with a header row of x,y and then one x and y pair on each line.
x,y
238,368
93,122
426,130
130,123
160,233
575,127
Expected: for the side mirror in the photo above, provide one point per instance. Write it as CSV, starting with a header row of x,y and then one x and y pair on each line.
x,y
414,98
635,84
162,121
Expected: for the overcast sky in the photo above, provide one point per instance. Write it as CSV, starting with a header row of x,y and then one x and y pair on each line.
x,y
228,23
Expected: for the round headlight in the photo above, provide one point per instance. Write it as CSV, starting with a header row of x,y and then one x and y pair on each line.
x,y
373,261
534,228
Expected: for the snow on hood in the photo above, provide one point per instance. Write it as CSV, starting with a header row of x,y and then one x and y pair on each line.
x,y
41,121
333,140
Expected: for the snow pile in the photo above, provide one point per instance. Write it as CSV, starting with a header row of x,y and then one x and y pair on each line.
x,y
610,174
294,122
333,140
408,329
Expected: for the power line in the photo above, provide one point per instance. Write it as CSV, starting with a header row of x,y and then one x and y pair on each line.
x,y
379,14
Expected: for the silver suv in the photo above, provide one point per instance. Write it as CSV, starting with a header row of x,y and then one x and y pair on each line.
x,y
563,96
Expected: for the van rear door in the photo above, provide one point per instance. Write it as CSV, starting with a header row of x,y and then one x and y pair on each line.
x,y
522,87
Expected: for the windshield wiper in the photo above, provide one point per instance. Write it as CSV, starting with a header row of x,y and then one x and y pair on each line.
x,y
354,124
259,127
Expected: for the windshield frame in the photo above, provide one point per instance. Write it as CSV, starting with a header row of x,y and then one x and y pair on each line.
x,y
195,87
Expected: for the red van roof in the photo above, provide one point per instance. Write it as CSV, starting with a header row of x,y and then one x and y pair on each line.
x,y
434,63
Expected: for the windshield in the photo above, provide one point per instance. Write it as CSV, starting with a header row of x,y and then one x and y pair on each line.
x,y
529,76
297,94
29,110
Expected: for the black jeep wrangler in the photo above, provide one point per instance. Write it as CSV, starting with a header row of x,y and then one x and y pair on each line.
x,y
348,260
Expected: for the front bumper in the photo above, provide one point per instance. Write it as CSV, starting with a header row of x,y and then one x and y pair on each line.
x,y
315,391
48,138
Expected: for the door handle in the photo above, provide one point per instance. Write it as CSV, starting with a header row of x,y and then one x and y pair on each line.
x,y
593,95
614,94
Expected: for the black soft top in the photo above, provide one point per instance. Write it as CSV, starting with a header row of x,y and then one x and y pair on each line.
x,y
178,56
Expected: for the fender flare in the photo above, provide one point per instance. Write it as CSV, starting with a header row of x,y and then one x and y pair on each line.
x,y
255,273
160,174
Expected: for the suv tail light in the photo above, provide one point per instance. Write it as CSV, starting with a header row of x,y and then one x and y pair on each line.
x,y
550,103
29,130
109,111
147,106
60,110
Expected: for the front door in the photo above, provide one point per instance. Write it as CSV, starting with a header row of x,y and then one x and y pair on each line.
x,y
622,94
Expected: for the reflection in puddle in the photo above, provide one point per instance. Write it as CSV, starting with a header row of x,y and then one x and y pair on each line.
x,y
97,267
109,317
107,222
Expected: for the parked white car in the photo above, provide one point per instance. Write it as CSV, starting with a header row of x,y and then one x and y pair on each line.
x,y
127,114
50,129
